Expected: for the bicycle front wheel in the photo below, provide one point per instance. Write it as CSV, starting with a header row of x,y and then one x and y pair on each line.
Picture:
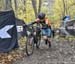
x,y
29,46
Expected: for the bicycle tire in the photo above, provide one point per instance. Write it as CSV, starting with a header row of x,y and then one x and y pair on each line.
x,y
31,43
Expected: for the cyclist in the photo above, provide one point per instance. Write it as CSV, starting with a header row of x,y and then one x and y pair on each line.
x,y
66,19
46,27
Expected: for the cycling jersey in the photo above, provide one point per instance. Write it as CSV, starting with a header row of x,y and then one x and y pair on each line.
x,y
45,23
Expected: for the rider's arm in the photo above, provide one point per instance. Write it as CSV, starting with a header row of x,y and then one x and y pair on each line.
x,y
33,22
36,21
48,23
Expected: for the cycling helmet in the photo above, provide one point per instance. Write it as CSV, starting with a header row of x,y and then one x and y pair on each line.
x,y
41,15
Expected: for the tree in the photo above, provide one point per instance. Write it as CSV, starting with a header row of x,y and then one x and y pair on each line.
x,y
7,5
62,8
0,4
39,7
16,5
36,9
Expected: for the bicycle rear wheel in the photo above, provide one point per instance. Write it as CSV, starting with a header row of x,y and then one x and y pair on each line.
x,y
38,42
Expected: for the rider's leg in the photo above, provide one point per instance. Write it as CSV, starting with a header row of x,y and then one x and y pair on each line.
x,y
47,33
46,40
49,36
44,35
49,42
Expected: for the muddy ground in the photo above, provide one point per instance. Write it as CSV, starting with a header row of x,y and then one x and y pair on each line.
x,y
61,52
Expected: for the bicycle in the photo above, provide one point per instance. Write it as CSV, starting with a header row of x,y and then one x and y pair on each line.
x,y
34,36
29,40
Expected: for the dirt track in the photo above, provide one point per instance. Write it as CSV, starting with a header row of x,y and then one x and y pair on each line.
x,y
61,52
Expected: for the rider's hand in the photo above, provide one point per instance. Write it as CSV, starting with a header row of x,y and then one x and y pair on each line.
x,y
41,26
37,20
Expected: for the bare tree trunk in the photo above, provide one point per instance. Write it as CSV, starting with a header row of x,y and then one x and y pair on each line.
x,y
15,2
66,8
7,5
24,4
1,5
63,8
34,7
23,1
39,8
